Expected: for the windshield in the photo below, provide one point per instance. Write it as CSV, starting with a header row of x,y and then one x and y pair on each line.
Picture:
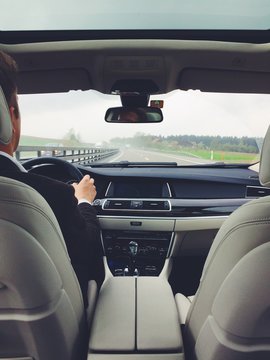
x,y
198,128
140,14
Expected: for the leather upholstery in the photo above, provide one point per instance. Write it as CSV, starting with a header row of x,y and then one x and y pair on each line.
x,y
136,315
183,304
229,315
264,173
42,314
41,307
245,231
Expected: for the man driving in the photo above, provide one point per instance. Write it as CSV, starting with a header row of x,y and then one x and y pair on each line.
x,y
71,204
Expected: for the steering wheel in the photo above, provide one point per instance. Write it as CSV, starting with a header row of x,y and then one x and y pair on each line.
x,y
74,173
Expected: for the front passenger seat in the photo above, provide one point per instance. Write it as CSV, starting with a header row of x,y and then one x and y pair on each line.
x,y
229,317
42,315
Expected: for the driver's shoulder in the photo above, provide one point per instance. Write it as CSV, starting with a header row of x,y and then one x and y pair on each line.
x,y
46,186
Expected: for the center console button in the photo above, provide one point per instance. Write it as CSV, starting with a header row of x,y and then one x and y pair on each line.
x,y
136,204
118,272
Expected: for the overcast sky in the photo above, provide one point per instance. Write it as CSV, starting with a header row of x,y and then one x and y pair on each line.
x,y
189,112
130,14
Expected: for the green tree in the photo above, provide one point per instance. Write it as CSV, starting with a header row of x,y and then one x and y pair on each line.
x,y
72,138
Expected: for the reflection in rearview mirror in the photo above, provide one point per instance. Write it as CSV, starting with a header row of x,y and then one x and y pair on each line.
x,y
133,115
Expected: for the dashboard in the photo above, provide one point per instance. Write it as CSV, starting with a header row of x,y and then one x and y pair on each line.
x,y
169,213
174,192
151,215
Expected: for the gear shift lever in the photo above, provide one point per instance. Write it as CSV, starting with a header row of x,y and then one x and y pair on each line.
x,y
133,249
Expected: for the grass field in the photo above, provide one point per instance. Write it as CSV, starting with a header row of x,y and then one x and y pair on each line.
x,y
224,156
233,157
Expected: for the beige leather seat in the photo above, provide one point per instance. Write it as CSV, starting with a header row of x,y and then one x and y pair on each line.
x,y
42,316
229,317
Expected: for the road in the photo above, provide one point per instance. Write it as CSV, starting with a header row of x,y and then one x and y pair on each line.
x,y
137,155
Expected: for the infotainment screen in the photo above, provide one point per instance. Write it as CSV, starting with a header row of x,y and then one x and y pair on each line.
x,y
138,189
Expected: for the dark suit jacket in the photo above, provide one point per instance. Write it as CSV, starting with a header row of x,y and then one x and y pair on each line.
x,y
78,223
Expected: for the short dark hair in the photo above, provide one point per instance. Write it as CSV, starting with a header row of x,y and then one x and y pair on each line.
x,y
8,77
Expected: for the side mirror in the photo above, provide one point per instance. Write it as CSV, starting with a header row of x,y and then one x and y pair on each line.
x,y
134,115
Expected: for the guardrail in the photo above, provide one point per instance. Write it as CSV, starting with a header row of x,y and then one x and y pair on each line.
x,y
79,155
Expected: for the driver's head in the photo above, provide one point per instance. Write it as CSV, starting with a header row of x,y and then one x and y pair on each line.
x,y
128,116
8,77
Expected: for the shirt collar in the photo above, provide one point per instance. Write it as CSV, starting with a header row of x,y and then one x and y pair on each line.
x,y
14,160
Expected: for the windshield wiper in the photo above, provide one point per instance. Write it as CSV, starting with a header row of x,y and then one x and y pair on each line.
x,y
135,164
125,164
221,164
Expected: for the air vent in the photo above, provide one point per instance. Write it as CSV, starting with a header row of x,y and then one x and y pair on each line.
x,y
137,205
257,191
156,205
117,204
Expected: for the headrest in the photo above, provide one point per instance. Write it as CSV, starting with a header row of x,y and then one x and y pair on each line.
x,y
264,173
5,121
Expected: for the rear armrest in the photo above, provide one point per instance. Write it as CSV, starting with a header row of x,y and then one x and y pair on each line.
x,y
136,315
113,326
158,327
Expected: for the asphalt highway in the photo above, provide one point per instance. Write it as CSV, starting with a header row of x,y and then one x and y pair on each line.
x,y
137,155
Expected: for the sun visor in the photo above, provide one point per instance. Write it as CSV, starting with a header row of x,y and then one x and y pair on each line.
x,y
5,121
229,81
53,81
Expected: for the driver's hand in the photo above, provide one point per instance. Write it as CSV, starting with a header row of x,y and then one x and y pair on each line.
x,y
85,189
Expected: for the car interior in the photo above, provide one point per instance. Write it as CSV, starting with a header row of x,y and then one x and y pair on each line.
x,y
186,247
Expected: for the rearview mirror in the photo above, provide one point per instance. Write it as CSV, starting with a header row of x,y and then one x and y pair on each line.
x,y
133,115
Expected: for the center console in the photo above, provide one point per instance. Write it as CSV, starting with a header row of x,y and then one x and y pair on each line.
x,y
135,241
136,316
136,253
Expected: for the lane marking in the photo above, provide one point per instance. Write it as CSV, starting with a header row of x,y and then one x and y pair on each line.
x,y
117,157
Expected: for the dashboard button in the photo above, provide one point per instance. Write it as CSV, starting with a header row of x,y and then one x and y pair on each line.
x,y
136,204
96,202
107,204
166,205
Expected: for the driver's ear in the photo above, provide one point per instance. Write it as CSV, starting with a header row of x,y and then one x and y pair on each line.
x,y
14,110
12,114
14,118
16,126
